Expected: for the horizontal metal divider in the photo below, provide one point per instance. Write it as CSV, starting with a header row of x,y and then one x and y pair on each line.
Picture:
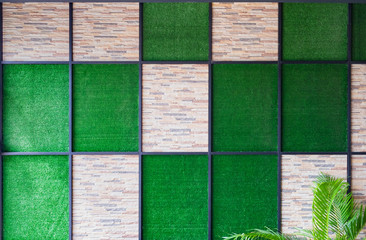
x,y
178,153
184,62
143,1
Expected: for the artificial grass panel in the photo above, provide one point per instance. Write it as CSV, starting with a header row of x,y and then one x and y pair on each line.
x,y
36,108
358,31
175,197
35,191
314,99
244,190
175,31
245,107
105,107
315,31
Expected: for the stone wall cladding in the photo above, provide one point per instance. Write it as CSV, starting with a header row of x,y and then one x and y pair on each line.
x,y
105,197
106,31
358,115
245,31
36,31
298,174
175,108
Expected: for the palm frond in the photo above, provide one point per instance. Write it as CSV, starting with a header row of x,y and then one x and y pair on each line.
x,y
259,234
357,223
328,191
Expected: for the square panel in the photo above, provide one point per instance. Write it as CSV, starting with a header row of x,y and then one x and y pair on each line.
x,y
358,31
106,31
105,107
244,116
36,108
175,193
36,31
175,31
105,197
244,31
298,174
175,108
244,191
315,31
35,197
358,114
314,108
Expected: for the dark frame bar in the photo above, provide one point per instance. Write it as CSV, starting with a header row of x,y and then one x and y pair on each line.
x,y
141,13
279,121
1,121
142,1
349,100
70,114
210,122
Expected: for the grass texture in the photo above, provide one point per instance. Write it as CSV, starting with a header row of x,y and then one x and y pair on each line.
x,y
175,193
175,31
245,107
105,107
314,107
36,106
315,31
244,191
359,31
35,191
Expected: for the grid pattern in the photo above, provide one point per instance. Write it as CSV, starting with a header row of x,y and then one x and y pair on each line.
x,y
345,152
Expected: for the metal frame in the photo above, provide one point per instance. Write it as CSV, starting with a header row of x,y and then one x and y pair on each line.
x,y
210,64
279,121
209,1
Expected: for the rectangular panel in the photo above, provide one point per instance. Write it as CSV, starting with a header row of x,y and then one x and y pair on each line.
x,y
175,193
314,99
244,191
359,183
244,31
36,108
106,31
358,114
36,31
35,197
298,174
105,197
175,108
176,31
105,107
358,31
245,107
315,31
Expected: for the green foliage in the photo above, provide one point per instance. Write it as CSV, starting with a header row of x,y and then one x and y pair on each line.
x,y
335,215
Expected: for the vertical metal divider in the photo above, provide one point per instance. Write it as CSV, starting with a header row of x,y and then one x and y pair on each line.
x,y
140,116
210,122
1,120
70,114
279,119
349,100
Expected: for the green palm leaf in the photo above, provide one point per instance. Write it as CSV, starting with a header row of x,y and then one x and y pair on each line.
x,y
335,215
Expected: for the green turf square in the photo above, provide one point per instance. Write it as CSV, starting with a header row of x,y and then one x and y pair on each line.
x,y
105,107
314,116
175,197
36,108
315,31
36,197
175,31
245,107
244,190
359,32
